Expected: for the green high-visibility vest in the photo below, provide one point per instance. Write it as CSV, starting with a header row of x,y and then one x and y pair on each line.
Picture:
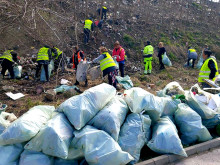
x,y
43,54
148,51
59,52
107,62
192,50
7,55
88,24
205,71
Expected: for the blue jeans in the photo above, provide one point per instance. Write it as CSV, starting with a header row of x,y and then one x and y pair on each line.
x,y
86,35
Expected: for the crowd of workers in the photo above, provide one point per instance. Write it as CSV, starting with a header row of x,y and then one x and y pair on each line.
x,y
109,64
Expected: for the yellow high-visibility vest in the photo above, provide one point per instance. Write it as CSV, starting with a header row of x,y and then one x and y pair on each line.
x,y
7,55
88,24
43,54
107,62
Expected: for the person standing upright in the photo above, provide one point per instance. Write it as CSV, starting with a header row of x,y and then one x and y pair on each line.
x,y
119,54
161,52
88,27
104,12
44,57
192,55
209,69
148,57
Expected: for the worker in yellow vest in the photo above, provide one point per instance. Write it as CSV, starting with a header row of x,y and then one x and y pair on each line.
x,y
44,57
104,12
58,58
148,57
88,27
107,65
192,55
209,69
7,60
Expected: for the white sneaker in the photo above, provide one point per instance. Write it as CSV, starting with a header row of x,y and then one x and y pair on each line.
x,y
145,72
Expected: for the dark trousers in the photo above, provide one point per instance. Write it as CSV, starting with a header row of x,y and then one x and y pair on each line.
x,y
86,35
7,65
45,68
193,63
122,69
104,12
161,62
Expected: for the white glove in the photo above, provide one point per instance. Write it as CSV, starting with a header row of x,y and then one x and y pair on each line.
x,y
81,60
89,62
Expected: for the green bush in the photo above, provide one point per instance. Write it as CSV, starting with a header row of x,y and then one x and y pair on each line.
x,y
129,41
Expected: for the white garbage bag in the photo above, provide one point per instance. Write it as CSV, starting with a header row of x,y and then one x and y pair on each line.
x,y
134,98
27,126
82,108
35,158
17,71
125,81
100,148
61,131
170,89
190,125
81,73
95,72
58,161
203,110
9,154
111,117
135,132
165,139
166,60
139,100
50,69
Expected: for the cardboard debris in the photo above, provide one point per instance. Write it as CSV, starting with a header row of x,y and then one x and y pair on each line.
x,y
15,96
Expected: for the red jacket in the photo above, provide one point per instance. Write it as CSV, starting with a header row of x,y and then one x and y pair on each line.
x,y
119,53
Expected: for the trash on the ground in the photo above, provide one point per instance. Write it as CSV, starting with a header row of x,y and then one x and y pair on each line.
x,y
111,117
211,123
95,72
125,81
200,62
171,89
14,96
165,139
50,69
27,126
135,132
190,63
202,109
61,132
82,108
166,60
102,148
8,88
81,74
35,158
64,88
50,95
39,90
17,71
9,116
10,154
2,107
69,93
65,82
190,125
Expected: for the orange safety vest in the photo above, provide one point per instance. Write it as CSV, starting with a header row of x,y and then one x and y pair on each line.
x,y
79,58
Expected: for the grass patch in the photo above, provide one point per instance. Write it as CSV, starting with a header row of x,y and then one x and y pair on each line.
x,y
129,41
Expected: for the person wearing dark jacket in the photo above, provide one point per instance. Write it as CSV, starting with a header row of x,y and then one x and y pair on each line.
x,y
161,52
8,59
107,65
44,57
209,69
77,57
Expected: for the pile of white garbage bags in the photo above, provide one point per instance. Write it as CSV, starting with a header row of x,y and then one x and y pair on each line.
x,y
101,127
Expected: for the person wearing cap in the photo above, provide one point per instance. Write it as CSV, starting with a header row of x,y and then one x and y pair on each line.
x,y
119,54
192,55
44,57
88,27
7,61
107,65
148,57
209,69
